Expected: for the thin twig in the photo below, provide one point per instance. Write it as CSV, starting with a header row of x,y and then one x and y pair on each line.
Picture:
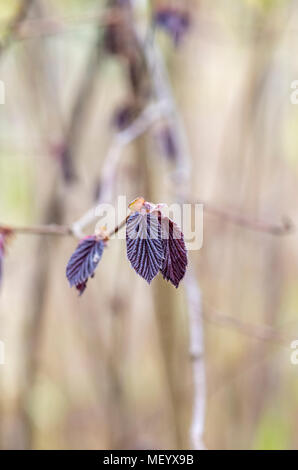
x,y
52,229
196,349
181,179
64,230
259,332
284,228
147,118
117,228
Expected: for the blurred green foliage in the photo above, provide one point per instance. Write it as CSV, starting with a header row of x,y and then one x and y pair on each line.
x,y
273,431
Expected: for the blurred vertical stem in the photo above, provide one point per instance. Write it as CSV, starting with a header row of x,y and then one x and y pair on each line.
x,y
168,320
165,297
196,351
53,212
181,179
38,65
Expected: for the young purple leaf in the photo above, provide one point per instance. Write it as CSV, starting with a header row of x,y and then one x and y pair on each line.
x,y
175,254
84,261
144,244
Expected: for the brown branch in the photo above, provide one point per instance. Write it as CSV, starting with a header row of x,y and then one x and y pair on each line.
x,y
251,224
284,228
259,332
117,228
52,229
245,222
151,114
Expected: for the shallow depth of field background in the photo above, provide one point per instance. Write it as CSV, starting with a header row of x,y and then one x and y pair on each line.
x,y
96,374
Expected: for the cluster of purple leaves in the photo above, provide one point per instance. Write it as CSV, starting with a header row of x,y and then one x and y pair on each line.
x,y
156,244
84,261
174,21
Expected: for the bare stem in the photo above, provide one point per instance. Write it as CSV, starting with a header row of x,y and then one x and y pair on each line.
x,y
256,331
180,179
284,228
52,229
117,228
196,351
147,118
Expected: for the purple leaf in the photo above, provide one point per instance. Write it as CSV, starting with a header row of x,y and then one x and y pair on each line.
x,y
84,261
175,253
173,20
144,244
